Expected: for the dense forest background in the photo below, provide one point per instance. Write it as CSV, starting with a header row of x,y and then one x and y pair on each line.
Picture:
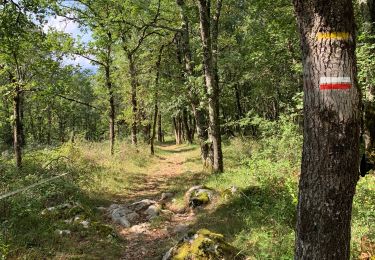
x,y
153,80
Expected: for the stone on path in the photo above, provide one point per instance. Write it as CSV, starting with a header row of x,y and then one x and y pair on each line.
x,y
204,244
199,196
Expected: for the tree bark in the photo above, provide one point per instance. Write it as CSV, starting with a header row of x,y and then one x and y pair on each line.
x,y
199,113
17,126
238,102
186,127
210,69
160,130
332,115
153,135
156,106
133,83
49,124
112,115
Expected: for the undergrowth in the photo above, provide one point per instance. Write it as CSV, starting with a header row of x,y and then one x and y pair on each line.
x,y
94,179
259,218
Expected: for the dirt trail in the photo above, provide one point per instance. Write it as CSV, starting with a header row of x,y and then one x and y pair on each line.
x,y
168,174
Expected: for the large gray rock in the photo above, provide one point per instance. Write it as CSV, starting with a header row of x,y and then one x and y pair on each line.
x,y
143,204
199,196
153,211
203,245
119,214
166,196
133,217
123,221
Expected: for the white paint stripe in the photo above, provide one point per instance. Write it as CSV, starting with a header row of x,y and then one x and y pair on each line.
x,y
9,194
333,80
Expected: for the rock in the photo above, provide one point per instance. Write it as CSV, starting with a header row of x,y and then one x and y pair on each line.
x,y
113,207
124,222
85,224
198,196
153,211
63,232
143,204
120,212
141,228
180,228
132,217
166,196
101,209
203,245
168,255
166,214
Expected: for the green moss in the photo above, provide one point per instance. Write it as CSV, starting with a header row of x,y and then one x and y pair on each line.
x,y
205,245
183,252
203,197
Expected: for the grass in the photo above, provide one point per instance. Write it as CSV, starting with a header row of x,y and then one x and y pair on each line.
x,y
95,179
259,219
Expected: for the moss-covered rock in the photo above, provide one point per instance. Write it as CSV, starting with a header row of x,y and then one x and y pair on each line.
x,y
198,196
203,245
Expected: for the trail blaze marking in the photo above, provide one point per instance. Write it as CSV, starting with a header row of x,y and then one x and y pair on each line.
x,y
329,83
340,36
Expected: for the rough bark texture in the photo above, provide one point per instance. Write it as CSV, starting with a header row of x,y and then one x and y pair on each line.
x,y
133,82
330,159
211,77
199,113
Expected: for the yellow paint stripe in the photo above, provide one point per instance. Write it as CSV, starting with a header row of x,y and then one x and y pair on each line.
x,y
340,36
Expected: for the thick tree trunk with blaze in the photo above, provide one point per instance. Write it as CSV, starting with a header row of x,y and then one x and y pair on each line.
x,y
211,77
332,117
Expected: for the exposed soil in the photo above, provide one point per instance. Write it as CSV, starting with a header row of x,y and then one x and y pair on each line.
x,y
151,241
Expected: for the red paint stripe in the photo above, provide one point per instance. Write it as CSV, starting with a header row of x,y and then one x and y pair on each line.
x,y
335,86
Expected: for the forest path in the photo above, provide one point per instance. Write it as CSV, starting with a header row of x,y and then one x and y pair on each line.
x,y
177,168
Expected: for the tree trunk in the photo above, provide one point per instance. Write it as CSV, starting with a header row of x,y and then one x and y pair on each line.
x,y
21,115
112,114
332,115
156,108
176,130
211,83
199,113
160,130
49,124
133,83
156,111
238,102
17,126
187,128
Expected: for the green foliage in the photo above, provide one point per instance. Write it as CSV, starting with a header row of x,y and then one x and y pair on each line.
x,y
30,220
260,217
